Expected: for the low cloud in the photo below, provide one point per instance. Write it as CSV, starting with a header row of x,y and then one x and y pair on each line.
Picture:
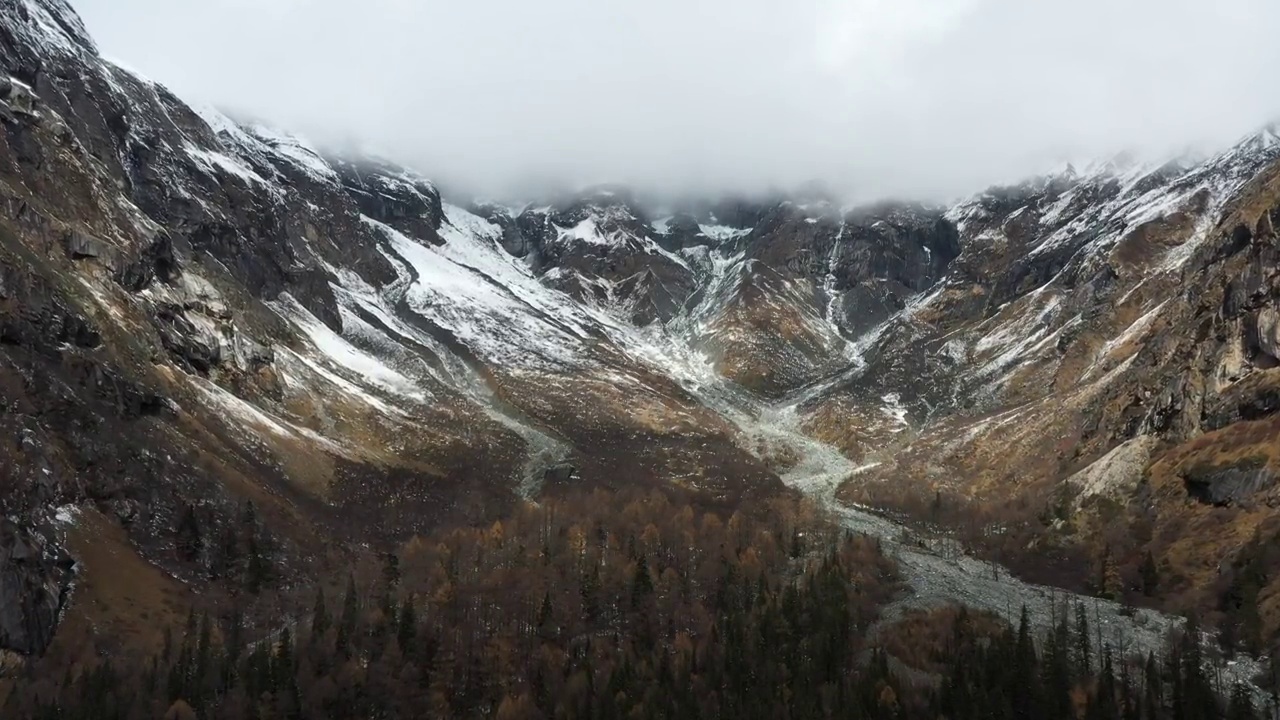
x,y
920,98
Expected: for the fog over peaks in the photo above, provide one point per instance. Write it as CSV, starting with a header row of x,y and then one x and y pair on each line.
x,y
873,98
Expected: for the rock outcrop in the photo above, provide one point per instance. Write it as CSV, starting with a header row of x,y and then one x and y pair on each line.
x,y
35,578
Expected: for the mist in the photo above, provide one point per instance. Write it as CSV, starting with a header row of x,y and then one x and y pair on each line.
x,y
927,99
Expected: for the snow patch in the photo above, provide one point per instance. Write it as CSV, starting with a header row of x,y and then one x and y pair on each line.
x,y
252,415
894,410
66,514
1020,337
722,232
489,302
49,32
588,232
337,349
1135,330
218,161
297,151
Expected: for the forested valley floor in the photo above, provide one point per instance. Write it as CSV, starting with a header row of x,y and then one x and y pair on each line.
x,y
630,605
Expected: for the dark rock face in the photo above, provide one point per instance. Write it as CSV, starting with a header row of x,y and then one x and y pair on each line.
x,y
1223,486
559,475
600,249
156,261
197,348
34,581
911,247
385,193
1254,398
893,254
812,280
521,236
36,317
682,231
875,257
605,248
142,248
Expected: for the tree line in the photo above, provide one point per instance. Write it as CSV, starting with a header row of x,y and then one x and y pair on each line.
x,y
619,605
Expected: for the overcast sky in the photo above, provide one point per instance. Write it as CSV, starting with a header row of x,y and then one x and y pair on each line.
x,y
928,98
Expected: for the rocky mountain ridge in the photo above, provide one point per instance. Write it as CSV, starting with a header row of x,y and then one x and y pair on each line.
x,y
199,316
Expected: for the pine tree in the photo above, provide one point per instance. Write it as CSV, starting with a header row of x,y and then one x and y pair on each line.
x,y
347,624
545,615
319,614
1083,663
1108,583
1105,699
225,562
190,541
1152,687
234,637
589,588
233,646
1197,697
1024,700
1056,670
1240,707
391,571
407,626
641,583
203,663
1150,575
167,644
1129,707
282,664
1241,621
258,571
257,673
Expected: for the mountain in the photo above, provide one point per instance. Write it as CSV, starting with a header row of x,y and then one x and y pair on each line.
x,y
207,326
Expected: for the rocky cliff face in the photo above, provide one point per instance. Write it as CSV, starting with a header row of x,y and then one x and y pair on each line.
x,y
199,316
1093,368
210,329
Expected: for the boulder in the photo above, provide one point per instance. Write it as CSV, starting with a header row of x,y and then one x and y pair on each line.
x,y
81,245
1268,328
1117,474
192,341
156,261
559,474
18,98
1230,484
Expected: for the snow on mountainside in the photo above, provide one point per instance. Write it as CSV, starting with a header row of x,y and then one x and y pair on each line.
x,y
1121,307
198,313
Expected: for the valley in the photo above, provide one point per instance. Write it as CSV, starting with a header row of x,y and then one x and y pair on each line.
x,y
224,348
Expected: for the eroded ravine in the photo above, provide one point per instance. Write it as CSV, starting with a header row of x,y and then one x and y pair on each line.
x,y
935,570
938,571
